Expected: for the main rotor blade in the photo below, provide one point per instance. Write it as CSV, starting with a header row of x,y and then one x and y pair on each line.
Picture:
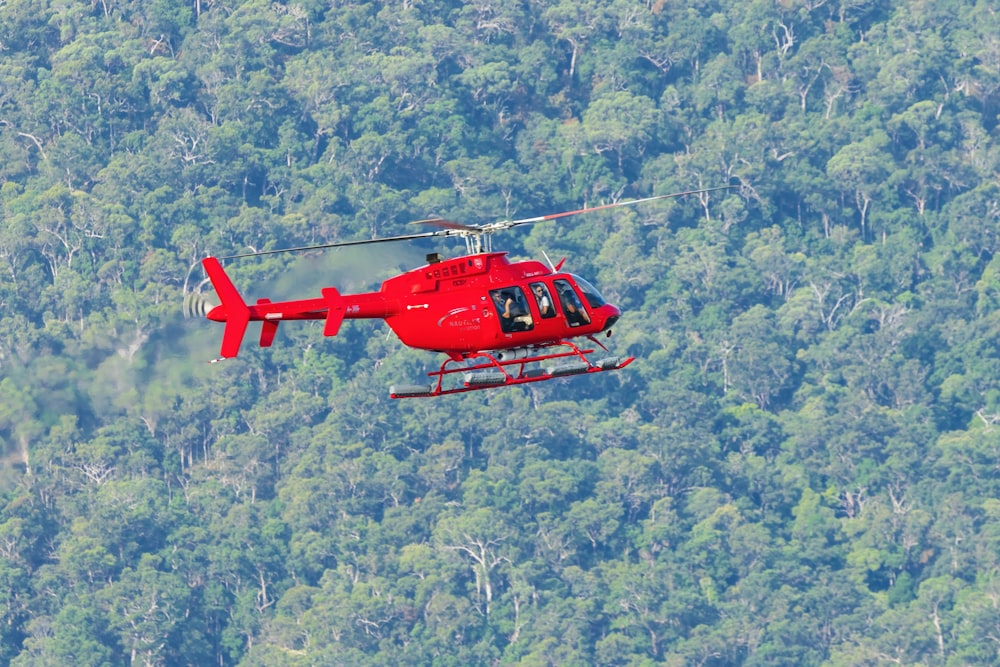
x,y
450,228
341,244
630,202
447,224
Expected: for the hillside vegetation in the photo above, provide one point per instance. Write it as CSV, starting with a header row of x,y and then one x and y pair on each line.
x,y
801,467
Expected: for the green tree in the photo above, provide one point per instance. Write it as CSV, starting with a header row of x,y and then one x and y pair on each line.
x,y
860,169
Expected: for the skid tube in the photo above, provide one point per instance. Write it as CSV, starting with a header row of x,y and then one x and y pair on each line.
x,y
498,374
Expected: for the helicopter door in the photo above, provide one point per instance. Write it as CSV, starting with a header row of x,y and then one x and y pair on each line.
x,y
574,311
512,309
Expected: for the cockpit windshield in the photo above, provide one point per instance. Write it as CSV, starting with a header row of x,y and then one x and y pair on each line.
x,y
590,293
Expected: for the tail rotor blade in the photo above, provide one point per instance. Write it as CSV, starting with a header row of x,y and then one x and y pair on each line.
x,y
197,305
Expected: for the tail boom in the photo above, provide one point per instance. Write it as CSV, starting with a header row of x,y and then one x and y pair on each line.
x,y
332,307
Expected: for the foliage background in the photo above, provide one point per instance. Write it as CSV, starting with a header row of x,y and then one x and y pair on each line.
x,y
801,468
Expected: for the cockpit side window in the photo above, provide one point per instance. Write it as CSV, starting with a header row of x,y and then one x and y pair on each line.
x,y
544,300
512,309
574,311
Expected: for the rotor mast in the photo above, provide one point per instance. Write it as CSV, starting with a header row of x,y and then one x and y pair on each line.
x,y
478,242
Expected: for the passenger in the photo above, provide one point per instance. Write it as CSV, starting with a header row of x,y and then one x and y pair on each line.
x,y
542,297
513,314
505,304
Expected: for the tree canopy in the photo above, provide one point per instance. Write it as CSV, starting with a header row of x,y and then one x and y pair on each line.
x,y
800,468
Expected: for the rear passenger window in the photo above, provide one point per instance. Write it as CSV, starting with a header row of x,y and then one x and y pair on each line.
x,y
512,309
546,308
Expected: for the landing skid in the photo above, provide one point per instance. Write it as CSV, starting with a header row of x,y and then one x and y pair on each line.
x,y
509,367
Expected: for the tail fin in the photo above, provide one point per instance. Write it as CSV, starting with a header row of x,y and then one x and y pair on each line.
x,y
233,311
334,311
268,328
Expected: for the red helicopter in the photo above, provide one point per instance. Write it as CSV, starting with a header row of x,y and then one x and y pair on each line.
x,y
499,322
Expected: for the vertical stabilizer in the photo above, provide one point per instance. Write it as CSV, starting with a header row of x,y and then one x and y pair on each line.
x,y
233,311
334,311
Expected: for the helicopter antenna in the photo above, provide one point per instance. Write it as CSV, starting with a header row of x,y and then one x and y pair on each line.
x,y
548,261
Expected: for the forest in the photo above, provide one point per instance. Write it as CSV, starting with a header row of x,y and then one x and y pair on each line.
x,y
802,466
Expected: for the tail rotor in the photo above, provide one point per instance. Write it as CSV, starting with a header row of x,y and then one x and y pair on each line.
x,y
197,305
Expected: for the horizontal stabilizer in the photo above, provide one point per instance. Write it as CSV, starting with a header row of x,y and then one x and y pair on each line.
x,y
268,328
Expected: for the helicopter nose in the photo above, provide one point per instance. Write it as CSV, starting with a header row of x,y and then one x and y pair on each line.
x,y
613,313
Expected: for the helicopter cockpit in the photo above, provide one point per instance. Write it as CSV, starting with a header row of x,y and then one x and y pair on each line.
x,y
515,316
590,293
570,303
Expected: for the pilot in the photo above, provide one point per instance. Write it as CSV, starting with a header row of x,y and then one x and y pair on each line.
x,y
575,314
